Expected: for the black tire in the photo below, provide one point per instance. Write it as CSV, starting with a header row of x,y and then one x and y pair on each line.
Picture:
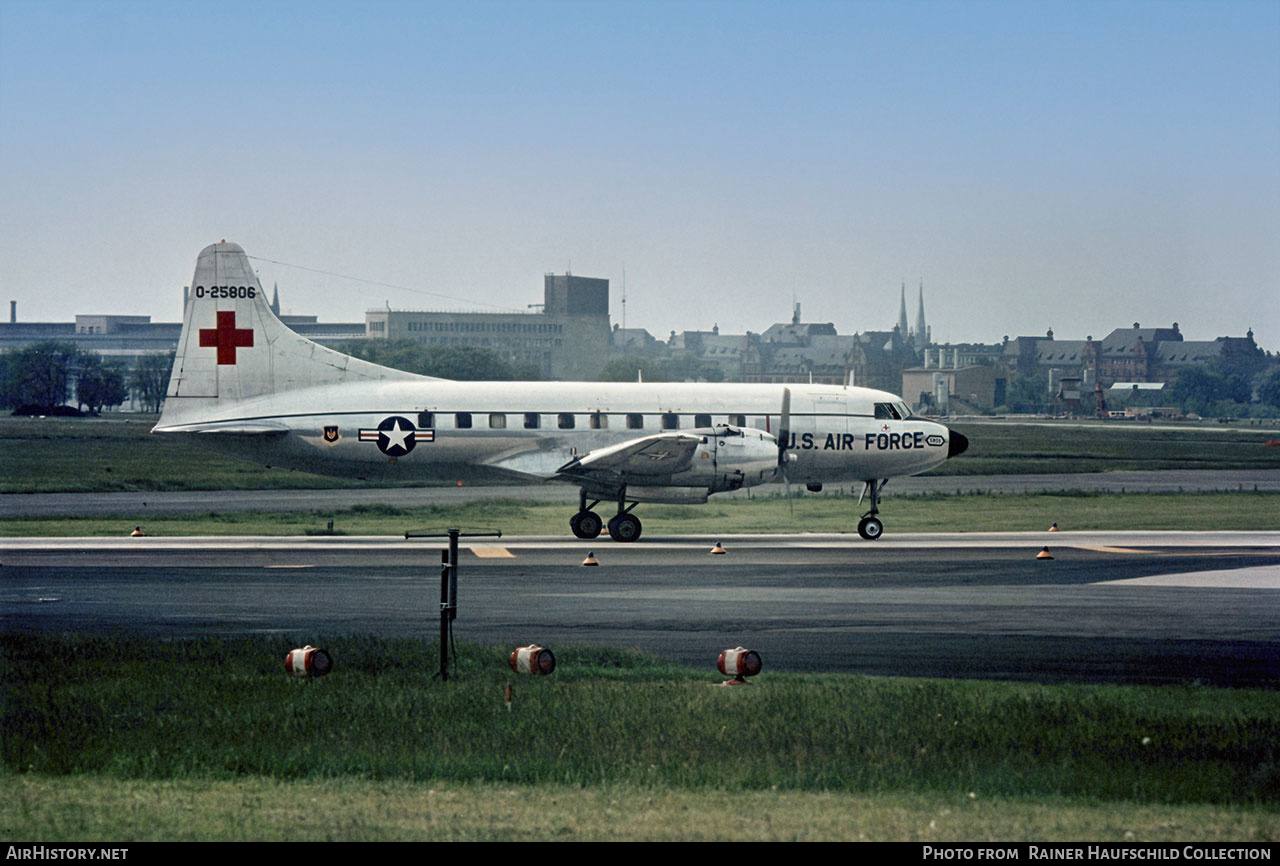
x,y
624,528
870,528
588,525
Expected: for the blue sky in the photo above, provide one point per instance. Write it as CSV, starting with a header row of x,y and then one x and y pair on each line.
x,y
1076,166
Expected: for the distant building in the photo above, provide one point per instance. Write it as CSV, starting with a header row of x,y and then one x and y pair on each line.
x,y
634,341
951,388
567,339
1134,354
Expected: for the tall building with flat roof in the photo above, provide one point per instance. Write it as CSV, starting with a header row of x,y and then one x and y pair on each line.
x,y
567,339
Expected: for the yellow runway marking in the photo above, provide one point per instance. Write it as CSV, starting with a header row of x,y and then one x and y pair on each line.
x,y
492,553
1115,550
290,566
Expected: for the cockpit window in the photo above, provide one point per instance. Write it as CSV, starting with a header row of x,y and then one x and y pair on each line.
x,y
888,411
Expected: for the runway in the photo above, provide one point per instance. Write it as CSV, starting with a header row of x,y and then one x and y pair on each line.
x,y
1133,607
140,505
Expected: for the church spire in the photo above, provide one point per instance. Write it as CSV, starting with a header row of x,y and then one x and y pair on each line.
x,y
922,332
902,313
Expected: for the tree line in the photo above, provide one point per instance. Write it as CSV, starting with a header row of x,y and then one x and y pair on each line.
x,y
41,379
1211,390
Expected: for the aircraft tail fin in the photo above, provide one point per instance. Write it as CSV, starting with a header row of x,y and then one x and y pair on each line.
x,y
233,347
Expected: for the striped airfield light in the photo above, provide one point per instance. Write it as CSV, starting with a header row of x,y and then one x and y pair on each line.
x,y
739,663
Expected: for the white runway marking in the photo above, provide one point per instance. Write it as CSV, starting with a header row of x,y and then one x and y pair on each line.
x,y
1261,577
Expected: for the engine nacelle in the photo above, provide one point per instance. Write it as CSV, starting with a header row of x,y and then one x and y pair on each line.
x,y
731,458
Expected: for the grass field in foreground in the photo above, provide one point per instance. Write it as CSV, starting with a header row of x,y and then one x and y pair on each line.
x,y
118,453
807,513
120,738
98,810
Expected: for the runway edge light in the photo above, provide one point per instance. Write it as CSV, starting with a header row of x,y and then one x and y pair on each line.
x,y
308,662
739,663
137,532
718,549
532,659
591,558
1044,554
1053,528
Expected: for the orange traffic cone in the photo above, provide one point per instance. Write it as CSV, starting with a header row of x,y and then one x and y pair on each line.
x,y
718,549
591,559
1044,554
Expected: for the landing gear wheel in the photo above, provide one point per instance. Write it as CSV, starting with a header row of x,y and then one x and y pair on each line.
x,y
586,524
870,528
624,527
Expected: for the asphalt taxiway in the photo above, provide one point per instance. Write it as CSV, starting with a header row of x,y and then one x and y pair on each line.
x,y
1145,607
140,505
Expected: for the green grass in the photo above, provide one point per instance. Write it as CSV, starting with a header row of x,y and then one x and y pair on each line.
x,y
130,708
98,810
120,454
128,738
774,514
997,448
97,455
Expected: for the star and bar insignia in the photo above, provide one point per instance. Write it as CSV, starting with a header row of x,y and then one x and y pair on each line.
x,y
395,436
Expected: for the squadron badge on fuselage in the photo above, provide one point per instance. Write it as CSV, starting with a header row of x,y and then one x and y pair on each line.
x,y
396,436
331,434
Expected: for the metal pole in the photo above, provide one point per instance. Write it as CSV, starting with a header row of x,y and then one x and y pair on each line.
x,y
453,574
444,614
448,587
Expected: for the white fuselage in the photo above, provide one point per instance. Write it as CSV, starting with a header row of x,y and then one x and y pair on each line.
x,y
527,430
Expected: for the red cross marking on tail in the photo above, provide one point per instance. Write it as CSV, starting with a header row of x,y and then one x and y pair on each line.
x,y
226,337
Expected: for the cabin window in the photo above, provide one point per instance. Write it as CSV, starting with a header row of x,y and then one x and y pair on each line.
x,y
462,420
635,422
497,421
566,420
598,421
738,420
670,421
701,420
532,420
426,420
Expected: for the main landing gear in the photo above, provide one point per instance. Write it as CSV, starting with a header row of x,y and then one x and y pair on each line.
x,y
870,527
625,526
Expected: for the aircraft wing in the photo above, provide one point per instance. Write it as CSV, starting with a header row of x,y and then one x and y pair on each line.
x,y
662,454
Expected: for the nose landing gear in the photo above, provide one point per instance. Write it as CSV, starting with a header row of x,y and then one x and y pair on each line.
x,y
870,527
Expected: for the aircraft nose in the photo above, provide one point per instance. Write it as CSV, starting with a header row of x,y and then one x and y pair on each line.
x,y
958,444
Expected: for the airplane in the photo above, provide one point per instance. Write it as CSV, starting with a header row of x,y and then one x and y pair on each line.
x,y
244,383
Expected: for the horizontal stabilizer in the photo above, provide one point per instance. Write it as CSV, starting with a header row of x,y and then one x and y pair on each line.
x,y
260,428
